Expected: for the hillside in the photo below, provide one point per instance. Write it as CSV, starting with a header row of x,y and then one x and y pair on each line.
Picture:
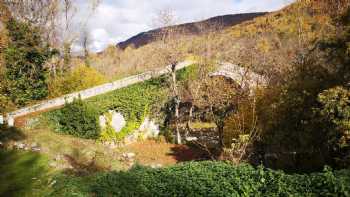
x,y
212,24
262,109
266,39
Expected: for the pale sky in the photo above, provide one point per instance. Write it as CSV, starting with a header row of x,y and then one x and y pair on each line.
x,y
118,20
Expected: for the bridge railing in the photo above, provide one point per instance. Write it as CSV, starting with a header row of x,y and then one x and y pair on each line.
x,y
91,92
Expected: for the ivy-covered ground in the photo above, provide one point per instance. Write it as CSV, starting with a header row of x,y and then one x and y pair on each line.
x,y
135,102
205,179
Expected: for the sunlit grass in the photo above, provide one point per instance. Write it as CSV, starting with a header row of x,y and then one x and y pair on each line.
x,y
23,173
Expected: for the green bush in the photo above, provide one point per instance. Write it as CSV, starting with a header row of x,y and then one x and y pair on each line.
x,y
135,102
132,100
78,118
335,111
25,57
109,133
287,115
211,179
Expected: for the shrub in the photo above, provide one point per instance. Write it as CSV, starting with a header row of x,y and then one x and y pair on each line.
x,y
336,109
78,118
81,77
210,179
25,56
108,133
335,115
220,179
19,169
135,102
132,124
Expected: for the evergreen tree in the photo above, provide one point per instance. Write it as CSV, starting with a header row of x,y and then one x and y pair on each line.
x,y
24,61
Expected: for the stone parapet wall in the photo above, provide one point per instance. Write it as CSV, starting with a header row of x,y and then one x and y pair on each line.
x,y
91,92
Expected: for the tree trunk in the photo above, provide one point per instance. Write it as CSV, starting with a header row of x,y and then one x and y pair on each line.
x,y
188,125
178,135
221,136
177,105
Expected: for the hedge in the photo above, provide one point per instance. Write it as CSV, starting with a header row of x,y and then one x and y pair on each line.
x,y
212,179
78,118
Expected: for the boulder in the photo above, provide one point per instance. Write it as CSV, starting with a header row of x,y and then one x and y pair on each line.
x,y
102,121
114,119
1,120
36,149
19,145
190,139
156,165
128,156
118,121
131,138
149,129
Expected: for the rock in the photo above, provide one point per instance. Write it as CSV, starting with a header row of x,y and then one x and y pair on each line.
x,y
20,145
118,121
1,120
112,145
58,158
156,165
10,121
102,121
131,138
128,156
52,183
115,119
34,145
189,139
149,129
36,149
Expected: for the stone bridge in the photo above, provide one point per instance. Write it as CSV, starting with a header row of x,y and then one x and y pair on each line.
x,y
244,77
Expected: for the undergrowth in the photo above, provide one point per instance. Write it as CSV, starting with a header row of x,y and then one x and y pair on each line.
x,y
207,179
23,173
135,102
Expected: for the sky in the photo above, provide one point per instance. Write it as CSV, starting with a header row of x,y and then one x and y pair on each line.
x,y
117,20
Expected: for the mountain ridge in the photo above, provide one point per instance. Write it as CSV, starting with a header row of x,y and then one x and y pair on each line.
x,y
192,28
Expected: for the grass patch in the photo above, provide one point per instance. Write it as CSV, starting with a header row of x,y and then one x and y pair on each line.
x,y
82,150
203,125
23,173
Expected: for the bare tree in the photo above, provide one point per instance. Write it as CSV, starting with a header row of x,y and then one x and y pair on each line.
x,y
57,20
170,54
85,44
164,18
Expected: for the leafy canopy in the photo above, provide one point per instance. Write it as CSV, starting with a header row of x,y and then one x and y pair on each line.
x,y
24,62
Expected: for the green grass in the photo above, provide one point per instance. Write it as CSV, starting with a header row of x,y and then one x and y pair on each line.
x,y
23,174
83,150
203,125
